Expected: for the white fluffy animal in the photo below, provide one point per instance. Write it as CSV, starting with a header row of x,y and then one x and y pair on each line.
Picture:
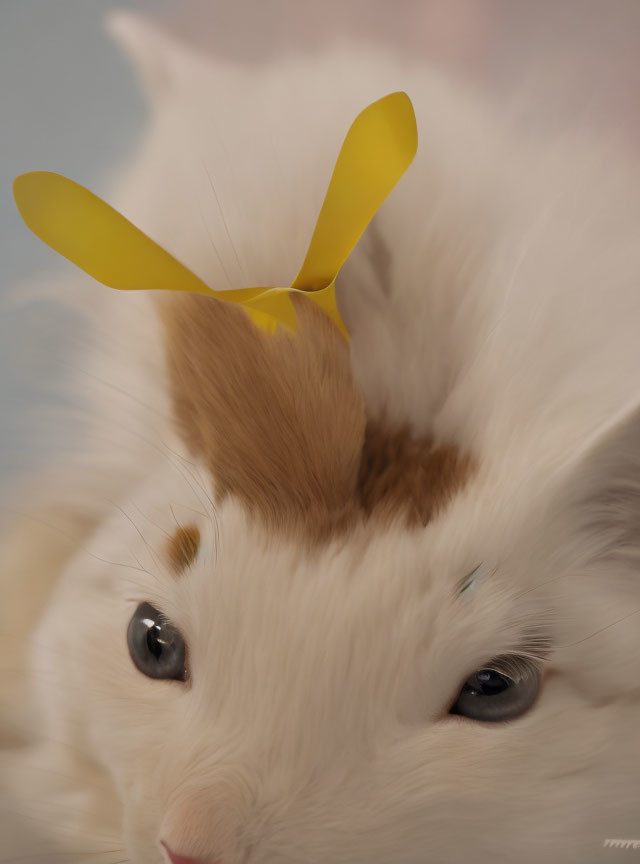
x,y
243,616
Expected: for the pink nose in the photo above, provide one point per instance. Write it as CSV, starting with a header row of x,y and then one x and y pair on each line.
x,y
184,859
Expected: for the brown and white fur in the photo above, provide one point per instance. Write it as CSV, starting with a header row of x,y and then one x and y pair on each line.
x,y
304,511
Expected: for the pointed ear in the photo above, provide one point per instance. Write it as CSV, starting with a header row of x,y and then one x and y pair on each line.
x,y
155,55
602,478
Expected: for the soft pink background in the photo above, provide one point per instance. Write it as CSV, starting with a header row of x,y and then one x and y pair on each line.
x,y
565,61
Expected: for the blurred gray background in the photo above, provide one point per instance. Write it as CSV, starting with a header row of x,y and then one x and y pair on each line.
x,y
69,102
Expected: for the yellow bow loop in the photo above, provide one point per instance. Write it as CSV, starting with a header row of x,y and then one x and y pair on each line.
x,y
377,150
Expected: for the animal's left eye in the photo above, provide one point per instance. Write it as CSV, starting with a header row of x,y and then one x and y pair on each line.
x,y
492,696
155,645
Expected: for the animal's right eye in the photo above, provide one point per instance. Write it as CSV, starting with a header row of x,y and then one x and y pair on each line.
x,y
493,696
155,645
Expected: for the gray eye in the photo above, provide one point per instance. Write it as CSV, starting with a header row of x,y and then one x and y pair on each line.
x,y
493,696
155,645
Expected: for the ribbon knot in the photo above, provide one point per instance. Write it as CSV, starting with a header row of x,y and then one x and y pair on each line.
x,y
378,148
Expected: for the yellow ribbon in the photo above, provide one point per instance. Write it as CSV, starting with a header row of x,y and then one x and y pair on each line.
x,y
377,150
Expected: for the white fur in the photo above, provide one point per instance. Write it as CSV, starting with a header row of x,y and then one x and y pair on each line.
x,y
495,300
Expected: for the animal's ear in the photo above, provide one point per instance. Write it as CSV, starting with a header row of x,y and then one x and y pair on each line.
x,y
590,545
155,55
602,478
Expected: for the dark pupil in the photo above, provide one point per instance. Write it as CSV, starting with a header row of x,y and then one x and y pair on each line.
x,y
486,682
154,641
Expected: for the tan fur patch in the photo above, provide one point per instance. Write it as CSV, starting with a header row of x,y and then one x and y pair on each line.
x,y
183,547
276,417
408,477
279,422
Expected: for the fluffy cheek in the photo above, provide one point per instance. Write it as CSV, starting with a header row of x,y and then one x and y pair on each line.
x,y
140,829
89,692
133,730
68,669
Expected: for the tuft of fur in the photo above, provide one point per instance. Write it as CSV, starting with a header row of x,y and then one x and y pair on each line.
x,y
279,423
183,547
404,477
276,418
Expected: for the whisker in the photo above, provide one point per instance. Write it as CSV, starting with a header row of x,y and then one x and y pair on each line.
x,y
123,392
185,507
213,244
140,534
601,630
69,536
157,446
540,585
150,521
224,220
